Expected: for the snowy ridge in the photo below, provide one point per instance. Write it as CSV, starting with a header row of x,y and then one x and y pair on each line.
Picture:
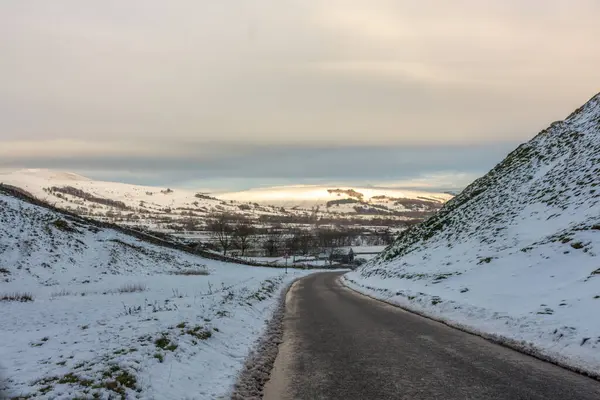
x,y
91,312
516,253
309,196
162,208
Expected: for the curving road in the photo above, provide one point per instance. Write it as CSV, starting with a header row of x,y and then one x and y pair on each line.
x,y
341,345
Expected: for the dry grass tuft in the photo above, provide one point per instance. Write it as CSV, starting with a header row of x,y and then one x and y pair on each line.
x,y
189,272
21,297
132,288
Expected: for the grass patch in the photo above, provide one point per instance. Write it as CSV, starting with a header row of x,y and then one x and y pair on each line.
x,y
485,260
441,277
546,311
192,272
199,332
266,290
162,342
17,296
118,383
126,379
132,288
43,390
435,301
61,293
62,225
159,357
577,245
125,351
71,378
171,347
165,343
41,342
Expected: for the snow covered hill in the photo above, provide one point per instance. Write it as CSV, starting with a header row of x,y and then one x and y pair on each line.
x,y
96,198
516,253
342,200
90,312
173,209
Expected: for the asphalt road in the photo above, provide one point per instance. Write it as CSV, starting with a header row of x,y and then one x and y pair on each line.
x,y
341,345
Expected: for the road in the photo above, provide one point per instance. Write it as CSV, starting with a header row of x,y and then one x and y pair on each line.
x,y
342,345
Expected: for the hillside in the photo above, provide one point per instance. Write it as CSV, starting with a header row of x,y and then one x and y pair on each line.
x,y
87,311
175,210
515,254
332,199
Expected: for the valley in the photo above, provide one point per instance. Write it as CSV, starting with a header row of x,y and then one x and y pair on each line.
x,y
112,290
306,221
299,200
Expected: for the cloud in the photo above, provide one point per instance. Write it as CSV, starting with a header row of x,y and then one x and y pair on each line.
x,y
234,166
150,81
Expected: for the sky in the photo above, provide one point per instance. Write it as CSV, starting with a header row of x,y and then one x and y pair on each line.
x,y
235,94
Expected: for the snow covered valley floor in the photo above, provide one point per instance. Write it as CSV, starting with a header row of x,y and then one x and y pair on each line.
x,y
93,313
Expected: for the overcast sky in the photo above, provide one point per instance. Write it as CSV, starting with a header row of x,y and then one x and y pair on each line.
x,y
239,93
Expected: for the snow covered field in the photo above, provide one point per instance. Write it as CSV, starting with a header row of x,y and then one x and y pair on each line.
x,y
114,317
515,255
364,252
281,261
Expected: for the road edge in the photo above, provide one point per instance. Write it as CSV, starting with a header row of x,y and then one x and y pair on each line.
x,y
258,365
524,348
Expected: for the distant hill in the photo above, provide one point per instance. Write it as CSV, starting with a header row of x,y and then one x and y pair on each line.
x,y
173,209
311,196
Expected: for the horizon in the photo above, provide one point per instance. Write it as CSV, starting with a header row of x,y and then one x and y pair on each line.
x,y
429,169
417,185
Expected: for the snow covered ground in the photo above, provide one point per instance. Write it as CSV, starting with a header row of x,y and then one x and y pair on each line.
x,y
281,261
364,252
87,312
515,255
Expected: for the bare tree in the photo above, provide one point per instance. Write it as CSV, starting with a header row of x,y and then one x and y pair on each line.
x,y
221,228
383,237
243,235
330,240
306,242
273,240
292,242
190,224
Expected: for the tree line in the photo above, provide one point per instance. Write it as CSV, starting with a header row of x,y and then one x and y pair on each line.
x,y
234,232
